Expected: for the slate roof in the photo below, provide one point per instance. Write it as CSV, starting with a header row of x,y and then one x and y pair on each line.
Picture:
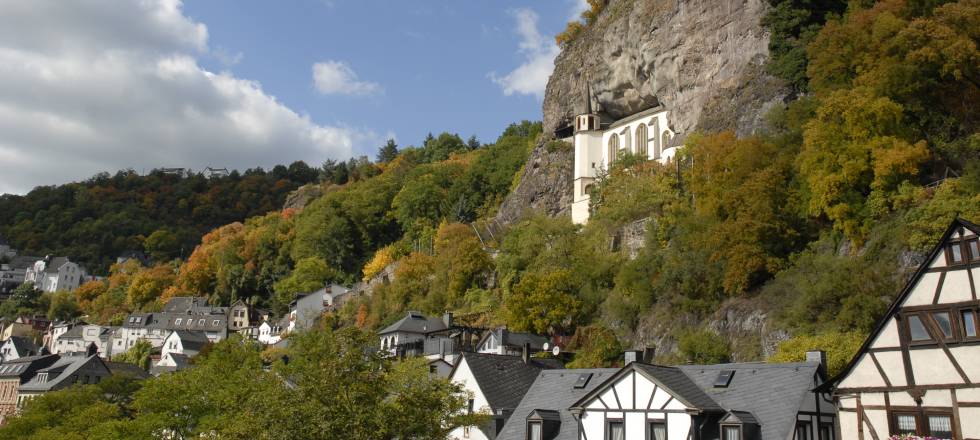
x,y
54,263
681,386
25,367
415,322
126,368
553,390
181,360
772,393
504,379
61,371
23,346
192,340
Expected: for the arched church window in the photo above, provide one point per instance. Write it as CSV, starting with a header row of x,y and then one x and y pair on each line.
x,y
613,148
627,140
641,140
665,143
656,138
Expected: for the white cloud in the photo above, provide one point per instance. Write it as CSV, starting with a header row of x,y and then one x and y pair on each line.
x,y
102,85
337,78
539,52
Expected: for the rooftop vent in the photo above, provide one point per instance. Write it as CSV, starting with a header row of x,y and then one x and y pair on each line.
x,y
724,378
583,380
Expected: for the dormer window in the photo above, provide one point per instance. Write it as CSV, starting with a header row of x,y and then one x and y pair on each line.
x,y
534,431
731,432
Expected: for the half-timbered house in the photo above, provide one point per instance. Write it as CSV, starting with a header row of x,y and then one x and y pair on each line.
x,y
919,371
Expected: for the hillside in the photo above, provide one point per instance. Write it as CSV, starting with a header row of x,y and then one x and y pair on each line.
x,y
99,219
786,225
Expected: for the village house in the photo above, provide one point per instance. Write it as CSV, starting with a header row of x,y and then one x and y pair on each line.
x,y
170,362
598,143
918,373
741,401
496,384
185,342
506,342
26,326
417,335
66,371
180,313
12,273
81,336
15,373
270,332
52,274
17,347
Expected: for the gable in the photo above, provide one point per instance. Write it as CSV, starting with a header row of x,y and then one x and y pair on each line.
x,y
634,388
935,296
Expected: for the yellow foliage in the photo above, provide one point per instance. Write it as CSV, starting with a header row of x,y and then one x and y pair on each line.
x,y
382,258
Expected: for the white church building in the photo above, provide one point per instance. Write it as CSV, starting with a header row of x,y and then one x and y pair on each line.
x,y
598,144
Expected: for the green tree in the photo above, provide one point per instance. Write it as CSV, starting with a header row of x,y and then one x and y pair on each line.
x,y
544,303
63,306
388,151
138,354
839,346
703,347
162,245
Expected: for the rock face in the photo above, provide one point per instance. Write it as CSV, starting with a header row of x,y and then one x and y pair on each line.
x,y
303,195
700,59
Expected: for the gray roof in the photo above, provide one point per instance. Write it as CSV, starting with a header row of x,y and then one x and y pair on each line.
x,y
553,390
415,322
192,340
127,369
60,372
504,379
772,393
25,367
681,386
54,263
168,321
182,361
23,346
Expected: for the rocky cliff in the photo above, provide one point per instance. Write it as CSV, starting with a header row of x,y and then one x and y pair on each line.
x,y
700,59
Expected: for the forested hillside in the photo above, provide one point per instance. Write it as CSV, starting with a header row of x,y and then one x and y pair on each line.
x,y
808,229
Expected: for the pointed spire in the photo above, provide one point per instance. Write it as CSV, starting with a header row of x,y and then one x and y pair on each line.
x,y
588,98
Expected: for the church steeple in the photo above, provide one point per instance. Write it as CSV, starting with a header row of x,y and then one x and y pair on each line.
x,y
588,120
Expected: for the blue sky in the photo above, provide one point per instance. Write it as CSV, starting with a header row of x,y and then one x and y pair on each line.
x,y
102,85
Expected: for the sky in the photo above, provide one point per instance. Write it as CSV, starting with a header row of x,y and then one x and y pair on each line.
x,y
88,86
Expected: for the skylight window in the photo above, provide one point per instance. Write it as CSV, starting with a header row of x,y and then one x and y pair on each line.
x,y
724,378
583,380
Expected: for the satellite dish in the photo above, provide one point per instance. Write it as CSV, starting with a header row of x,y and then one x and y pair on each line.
x,y
555,350
545,346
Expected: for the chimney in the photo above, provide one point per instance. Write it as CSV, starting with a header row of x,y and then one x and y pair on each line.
x,y
648,354
819,357
526,353
631,356
447,318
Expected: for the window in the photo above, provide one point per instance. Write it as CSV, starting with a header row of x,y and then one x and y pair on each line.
x,y
945,325
969,319
826,431
534,431
666,141
905,424
917,331
178,321
802,430
641,140
200,322
657,430
215,322
940,426
731,432
974,249
615,430
955,253
627,140
613,149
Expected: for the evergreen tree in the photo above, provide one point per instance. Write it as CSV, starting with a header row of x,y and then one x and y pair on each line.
x,y
388,151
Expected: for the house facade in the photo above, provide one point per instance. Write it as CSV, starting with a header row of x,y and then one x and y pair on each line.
x,y
185,342
919,370
17,347
598,144
65,372
80,337
52,274
496,383
505,342
15,373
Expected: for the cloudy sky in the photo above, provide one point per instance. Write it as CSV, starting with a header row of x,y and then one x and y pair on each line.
x,y
101,85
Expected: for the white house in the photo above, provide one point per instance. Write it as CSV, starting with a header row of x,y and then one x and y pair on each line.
x,y
80,337
505,342
55,273
599,144
742,401
185,342
416,334
180,313
496,384
16,347
919,370
269,332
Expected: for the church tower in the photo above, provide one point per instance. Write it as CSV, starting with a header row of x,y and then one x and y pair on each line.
x,y
587,137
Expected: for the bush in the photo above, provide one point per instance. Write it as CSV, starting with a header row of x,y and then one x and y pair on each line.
x,y
703,347
839,346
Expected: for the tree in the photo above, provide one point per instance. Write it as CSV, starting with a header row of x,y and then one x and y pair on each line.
x,y
388,151
543,302
310,274
162,245
473,143
148,285
138,354
63,306
25,299
839,346
703,347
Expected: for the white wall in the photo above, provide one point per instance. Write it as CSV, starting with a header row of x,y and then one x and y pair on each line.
x,y
464,376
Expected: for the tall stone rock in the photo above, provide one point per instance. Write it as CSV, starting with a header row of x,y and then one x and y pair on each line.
x,y
701,59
